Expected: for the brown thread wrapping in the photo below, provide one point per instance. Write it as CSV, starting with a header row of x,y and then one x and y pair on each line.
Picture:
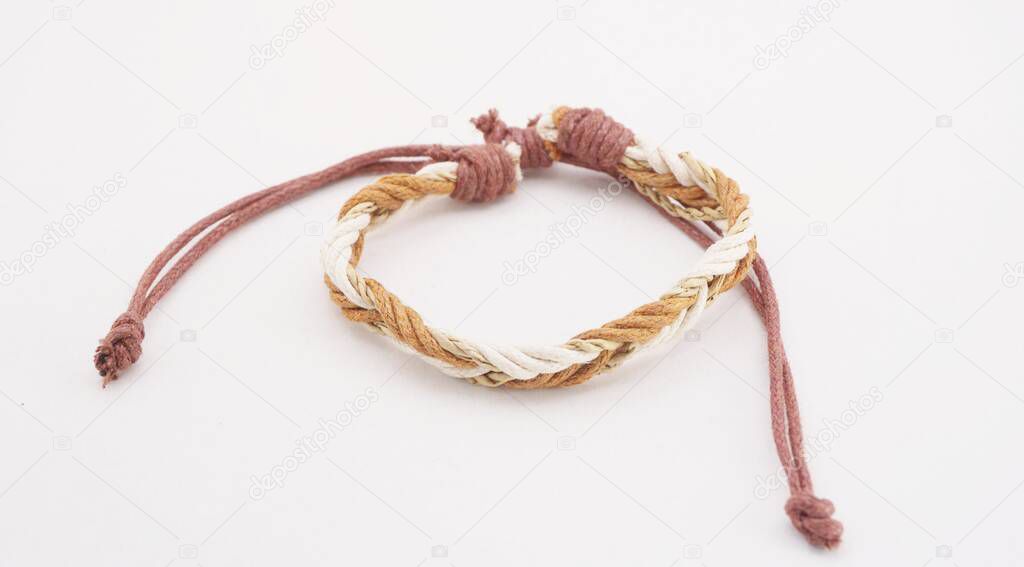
x,y
486,172
592,138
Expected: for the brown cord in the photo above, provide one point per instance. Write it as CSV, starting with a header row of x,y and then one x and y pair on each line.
x,y
123,344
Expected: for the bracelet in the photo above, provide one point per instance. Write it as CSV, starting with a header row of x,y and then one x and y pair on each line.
x,y
680,184
688,192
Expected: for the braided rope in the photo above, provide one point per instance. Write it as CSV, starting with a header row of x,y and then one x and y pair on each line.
x,y
722,266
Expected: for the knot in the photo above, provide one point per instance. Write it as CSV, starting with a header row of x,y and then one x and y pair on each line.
x,y
121,347
593,138
485,172
495,131
812,516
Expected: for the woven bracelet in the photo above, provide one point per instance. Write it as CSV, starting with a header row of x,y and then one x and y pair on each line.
x,y
690,193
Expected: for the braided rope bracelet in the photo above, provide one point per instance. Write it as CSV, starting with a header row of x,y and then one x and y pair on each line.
x,y
685,189
365,300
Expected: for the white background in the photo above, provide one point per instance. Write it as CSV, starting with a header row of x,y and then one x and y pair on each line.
x,y
894,240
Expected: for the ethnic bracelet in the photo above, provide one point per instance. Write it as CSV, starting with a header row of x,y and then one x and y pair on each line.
x,y
696,197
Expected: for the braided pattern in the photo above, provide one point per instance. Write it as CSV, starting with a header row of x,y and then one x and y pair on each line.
x,y
680,184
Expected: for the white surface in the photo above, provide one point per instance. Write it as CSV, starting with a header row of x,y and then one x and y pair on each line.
x,y
655,463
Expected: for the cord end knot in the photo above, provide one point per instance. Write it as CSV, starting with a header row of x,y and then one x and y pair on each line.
x,y
120,348
812,516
